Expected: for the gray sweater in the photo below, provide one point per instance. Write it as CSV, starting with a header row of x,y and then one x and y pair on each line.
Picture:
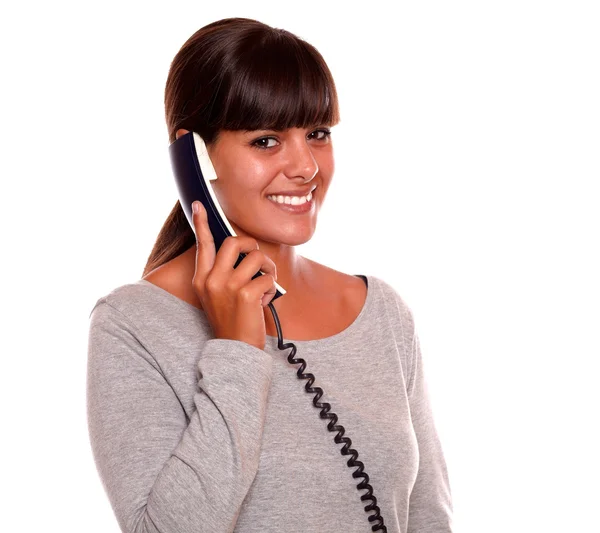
x,y
192,434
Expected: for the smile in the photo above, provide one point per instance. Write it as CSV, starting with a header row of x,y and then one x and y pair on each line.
x,y
293,204
291,200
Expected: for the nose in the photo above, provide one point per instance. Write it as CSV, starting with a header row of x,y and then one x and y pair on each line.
x,y
301,161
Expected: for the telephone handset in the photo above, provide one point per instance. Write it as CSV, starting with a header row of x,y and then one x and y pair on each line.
x,y
194,172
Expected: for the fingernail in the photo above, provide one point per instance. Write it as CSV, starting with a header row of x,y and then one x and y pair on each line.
x,y
195,206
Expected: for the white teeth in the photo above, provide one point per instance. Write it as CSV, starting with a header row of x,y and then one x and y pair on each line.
x,y
293,200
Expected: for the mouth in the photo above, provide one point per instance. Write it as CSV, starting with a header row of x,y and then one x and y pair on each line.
x,y
293,204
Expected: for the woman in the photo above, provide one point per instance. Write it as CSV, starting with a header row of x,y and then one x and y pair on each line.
x,y
197,420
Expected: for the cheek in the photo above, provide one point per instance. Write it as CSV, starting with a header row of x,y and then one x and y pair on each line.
x,y
255,175
326,167
239,182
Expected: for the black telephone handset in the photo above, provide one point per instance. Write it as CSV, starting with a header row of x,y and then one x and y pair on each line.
x,y
194,172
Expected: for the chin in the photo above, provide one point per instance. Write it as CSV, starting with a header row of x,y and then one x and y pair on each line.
x,y
295,239
292,233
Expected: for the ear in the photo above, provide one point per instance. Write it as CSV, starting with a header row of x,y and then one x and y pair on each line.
x,y
180,132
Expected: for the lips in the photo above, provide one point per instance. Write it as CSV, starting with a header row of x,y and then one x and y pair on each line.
x,y
299,192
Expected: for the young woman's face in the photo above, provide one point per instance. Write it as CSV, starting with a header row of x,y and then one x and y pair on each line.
x,y
253,165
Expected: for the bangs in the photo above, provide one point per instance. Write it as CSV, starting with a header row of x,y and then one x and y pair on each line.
x,y
279,83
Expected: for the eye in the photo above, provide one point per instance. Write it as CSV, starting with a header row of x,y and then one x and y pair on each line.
x,y
263,142
325,133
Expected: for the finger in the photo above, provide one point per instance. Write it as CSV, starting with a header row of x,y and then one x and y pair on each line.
x,y
205,244
253,262
269,295
229,252
262,288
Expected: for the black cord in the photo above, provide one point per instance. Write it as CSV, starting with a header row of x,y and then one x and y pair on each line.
x,y
325,407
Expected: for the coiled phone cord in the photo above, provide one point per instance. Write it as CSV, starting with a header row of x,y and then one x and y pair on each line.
x,y
325,407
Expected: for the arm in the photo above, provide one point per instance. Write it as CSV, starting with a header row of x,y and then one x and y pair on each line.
x,y
161,472
430,507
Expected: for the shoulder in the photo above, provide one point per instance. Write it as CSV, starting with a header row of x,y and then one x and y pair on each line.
x,y
388,300
143,309
120,316
393,294
124,299
141,314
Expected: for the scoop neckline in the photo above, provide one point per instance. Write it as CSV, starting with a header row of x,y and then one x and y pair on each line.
x,y
273,340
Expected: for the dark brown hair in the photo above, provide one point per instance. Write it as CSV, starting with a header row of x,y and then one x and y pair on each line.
x,y
240,74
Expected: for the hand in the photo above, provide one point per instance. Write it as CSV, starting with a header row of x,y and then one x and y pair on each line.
x,y
232,300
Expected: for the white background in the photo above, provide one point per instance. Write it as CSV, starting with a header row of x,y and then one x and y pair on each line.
x,y
467,172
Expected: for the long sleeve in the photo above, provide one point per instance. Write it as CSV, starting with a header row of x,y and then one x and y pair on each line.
x,y
430,507
162,472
